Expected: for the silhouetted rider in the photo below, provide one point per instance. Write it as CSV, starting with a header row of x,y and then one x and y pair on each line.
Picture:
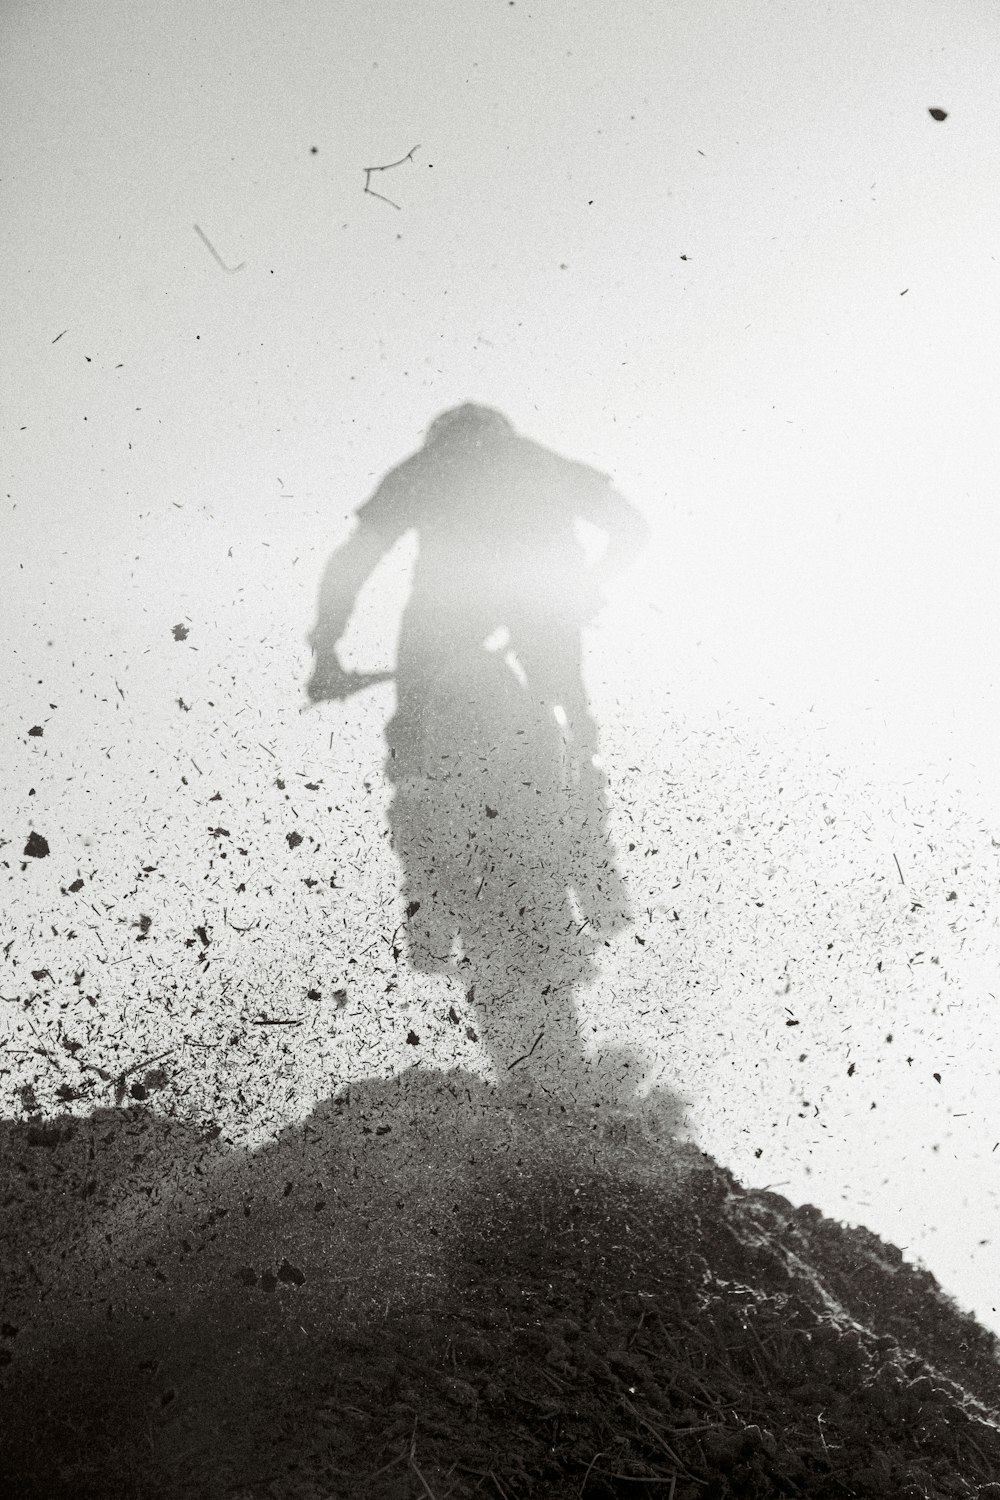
x,y
499,813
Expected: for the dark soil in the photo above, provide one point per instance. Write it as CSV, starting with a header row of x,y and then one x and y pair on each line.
x,y
425,1291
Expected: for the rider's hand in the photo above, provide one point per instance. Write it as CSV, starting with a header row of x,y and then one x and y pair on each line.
x,y
329,681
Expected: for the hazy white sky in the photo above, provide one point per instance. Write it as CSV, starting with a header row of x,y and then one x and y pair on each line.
x,y
718,248
814,448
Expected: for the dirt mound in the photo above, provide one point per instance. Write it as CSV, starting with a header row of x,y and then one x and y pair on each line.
x,y
424,1291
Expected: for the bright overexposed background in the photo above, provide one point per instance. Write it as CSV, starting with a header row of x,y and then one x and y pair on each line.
x,y
720,250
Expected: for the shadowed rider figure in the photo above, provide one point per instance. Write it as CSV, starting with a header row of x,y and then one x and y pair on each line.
x,y
499,810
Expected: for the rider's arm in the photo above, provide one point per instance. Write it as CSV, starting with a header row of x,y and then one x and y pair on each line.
x,y
590,494
379,524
